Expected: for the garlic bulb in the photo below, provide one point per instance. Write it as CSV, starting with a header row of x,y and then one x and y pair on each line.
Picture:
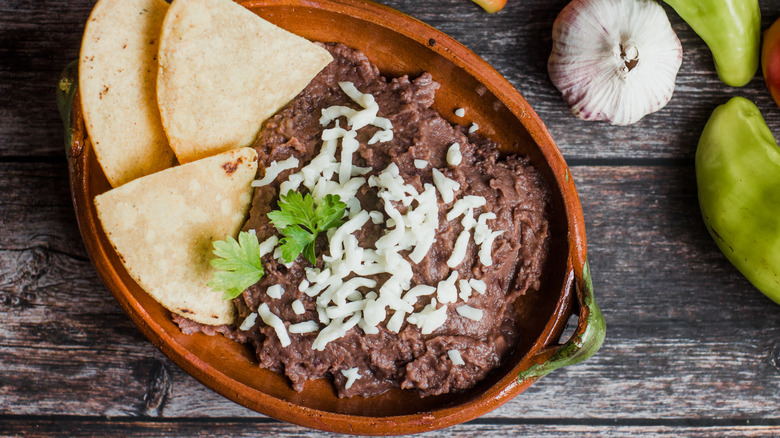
x,y
614,60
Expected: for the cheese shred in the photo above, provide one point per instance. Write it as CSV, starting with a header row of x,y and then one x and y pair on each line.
x,y
275,323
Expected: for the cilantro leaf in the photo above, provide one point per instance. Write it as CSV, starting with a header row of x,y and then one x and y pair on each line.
x,y
329,212
295,209
238,263
300,222
296,240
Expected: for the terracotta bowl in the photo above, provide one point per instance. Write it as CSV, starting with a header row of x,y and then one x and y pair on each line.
x,y
399,45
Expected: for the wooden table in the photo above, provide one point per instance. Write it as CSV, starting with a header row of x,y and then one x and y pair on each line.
x,y
692,349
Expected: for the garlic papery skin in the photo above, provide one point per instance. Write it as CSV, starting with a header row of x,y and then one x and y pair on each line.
x,y
614,60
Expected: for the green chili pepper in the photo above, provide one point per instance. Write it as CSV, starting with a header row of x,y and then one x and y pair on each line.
x,y
738,177
732,30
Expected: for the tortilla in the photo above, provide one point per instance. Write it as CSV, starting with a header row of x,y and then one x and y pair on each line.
x,y
163,225
223,71
117,80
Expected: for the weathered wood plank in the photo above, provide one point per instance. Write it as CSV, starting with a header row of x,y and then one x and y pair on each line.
x,y
37,40
688,337
37,211
105,427
692,348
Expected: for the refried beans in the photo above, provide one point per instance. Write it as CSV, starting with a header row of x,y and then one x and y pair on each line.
x,y
513,190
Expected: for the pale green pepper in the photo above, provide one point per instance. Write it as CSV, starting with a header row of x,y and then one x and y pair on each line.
x,y
731,29
738,178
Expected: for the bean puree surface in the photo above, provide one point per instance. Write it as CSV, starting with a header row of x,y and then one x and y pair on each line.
x,y
512,188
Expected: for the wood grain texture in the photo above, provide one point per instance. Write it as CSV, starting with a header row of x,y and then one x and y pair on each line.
x,y
38,39
517,42
692,348
688,337
93,427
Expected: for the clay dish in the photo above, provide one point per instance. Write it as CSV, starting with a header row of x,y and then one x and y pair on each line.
x,y
398,45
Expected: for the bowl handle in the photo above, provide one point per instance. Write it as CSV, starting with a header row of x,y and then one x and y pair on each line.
x,y
586,340
66,92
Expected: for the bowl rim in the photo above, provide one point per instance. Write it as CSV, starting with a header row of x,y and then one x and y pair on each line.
x,y
545,347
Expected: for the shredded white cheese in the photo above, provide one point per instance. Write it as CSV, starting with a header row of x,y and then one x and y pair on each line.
x,y
396,321
465,290
376,217
374,312
478,285
370,109
454,157
304,327
414,293
481,230
292,183
486,248
332,113
267,245
321,316
430,318
298,308
249,322
381,137
369,330
346,309
383,123
420,164
275,291
459,251
473,128
273,171
345,296
469,312
352,225
349,145
446,292
462,205
278,256
445,186
351,374
274,322
336,329
468,221
455,357
315,275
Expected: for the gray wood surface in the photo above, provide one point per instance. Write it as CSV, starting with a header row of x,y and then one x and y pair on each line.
x,y
692,348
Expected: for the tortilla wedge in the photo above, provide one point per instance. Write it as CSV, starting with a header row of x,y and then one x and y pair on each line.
x,y
163,225
117,83
223,71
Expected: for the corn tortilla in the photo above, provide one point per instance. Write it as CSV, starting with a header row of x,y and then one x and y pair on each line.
x,y
222,71
117,83
163,225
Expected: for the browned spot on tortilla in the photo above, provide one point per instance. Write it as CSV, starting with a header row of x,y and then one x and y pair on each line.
x,y
187,311
230,167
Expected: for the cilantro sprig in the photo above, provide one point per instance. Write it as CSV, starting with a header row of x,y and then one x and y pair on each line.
x,y
300,222
238,264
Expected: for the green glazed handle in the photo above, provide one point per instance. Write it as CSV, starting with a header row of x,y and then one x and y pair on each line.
x,y
586,340
66,92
